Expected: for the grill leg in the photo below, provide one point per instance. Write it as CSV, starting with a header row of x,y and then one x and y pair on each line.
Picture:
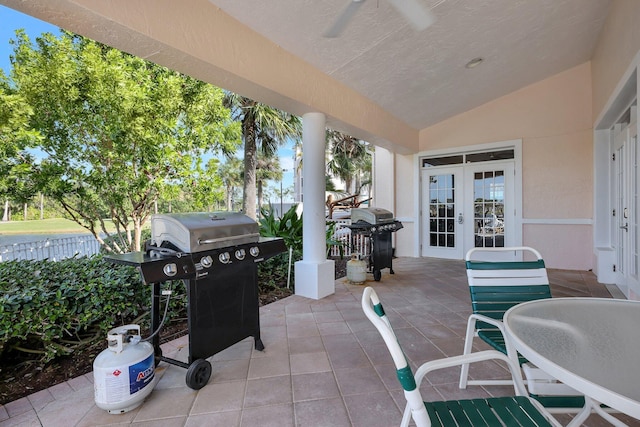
x,y
259,346
155,319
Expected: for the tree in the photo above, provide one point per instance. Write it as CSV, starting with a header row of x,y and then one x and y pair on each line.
x,y
231,174
267,168
205,187
349,160
16,164
118,131
263,128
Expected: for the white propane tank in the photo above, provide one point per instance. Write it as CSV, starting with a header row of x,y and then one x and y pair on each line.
x,y
123,374
356,270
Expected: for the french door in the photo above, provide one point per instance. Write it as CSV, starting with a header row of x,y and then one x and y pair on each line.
x,y
625,229
466,206
442,212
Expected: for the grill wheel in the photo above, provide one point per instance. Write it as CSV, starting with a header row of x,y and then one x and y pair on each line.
x,y
198,374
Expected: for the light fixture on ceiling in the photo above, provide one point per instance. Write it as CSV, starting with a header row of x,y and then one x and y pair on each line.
x,y
474,62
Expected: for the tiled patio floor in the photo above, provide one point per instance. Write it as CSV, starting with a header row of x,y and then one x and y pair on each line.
x,y
324,364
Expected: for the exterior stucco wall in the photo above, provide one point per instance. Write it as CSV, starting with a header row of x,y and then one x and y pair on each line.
x,y
617,46
554,120
383,178
405,238
394,190
557,176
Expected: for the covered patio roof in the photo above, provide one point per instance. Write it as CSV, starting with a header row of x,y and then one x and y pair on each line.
x,y
380,80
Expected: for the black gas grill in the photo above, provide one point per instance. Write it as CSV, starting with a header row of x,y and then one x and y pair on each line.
x,y
216,256
377,224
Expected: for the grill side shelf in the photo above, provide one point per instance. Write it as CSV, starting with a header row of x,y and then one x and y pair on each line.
x,y
153,269
270,247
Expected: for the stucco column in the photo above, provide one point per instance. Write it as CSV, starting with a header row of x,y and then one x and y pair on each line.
x,y
315,275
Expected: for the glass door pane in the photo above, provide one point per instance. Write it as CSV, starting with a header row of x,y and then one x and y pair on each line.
x,y
442,210
442,232
488,208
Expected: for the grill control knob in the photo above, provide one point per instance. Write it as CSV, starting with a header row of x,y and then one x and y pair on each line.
x,y
224,257
206,261
170,269
240,253
254,251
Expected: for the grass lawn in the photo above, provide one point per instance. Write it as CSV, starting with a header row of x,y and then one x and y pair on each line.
x,y
47,226
44,226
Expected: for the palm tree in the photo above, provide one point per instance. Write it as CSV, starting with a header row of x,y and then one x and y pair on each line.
x,y
349,160
231,174
263,128
267,168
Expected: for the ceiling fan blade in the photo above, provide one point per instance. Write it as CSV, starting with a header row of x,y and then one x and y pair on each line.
x,y
343,19
415,12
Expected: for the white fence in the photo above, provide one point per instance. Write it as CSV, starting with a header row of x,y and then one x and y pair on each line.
x,y
358,244
51,249
87,245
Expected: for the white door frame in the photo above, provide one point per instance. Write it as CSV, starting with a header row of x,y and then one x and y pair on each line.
x,y
515,145
624,190
621,101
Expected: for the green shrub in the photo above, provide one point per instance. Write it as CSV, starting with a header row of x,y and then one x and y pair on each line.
x,y
52,308
274,271
289,227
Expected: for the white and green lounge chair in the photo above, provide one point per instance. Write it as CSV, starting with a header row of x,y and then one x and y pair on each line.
x,y
495,287
518,410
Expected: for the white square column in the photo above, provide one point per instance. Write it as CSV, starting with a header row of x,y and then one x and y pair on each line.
x,y
315,280
315,275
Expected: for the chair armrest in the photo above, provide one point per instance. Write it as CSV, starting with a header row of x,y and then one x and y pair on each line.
x,y
474,317
478,356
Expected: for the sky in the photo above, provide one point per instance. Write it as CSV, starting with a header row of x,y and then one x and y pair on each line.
x,y
11,20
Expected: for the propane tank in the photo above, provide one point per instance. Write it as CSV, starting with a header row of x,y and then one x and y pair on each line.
x,y
123,374
356,270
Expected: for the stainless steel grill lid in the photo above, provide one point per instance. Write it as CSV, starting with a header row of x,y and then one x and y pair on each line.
x,y
371,215
195,232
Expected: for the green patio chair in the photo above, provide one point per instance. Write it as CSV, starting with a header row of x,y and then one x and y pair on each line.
x,y
518,410
496,286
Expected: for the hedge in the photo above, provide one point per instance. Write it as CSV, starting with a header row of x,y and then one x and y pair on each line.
x,y
49,309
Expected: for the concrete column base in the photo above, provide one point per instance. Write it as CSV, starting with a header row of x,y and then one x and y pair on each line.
x,y
315,280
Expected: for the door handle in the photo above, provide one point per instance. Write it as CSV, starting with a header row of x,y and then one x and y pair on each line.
x,y
460,219
625,227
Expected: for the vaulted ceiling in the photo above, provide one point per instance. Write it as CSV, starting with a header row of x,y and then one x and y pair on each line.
x,y
421,77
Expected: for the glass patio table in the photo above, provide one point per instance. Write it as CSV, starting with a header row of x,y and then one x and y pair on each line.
x,y
590,344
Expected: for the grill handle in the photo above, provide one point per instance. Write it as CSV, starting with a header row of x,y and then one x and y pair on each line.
x,y
216,240
207,241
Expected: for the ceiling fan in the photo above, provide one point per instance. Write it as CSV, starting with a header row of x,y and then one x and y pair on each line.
x,y
414,11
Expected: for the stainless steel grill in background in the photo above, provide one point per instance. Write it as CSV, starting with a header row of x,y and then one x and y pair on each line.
x,y
376,224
